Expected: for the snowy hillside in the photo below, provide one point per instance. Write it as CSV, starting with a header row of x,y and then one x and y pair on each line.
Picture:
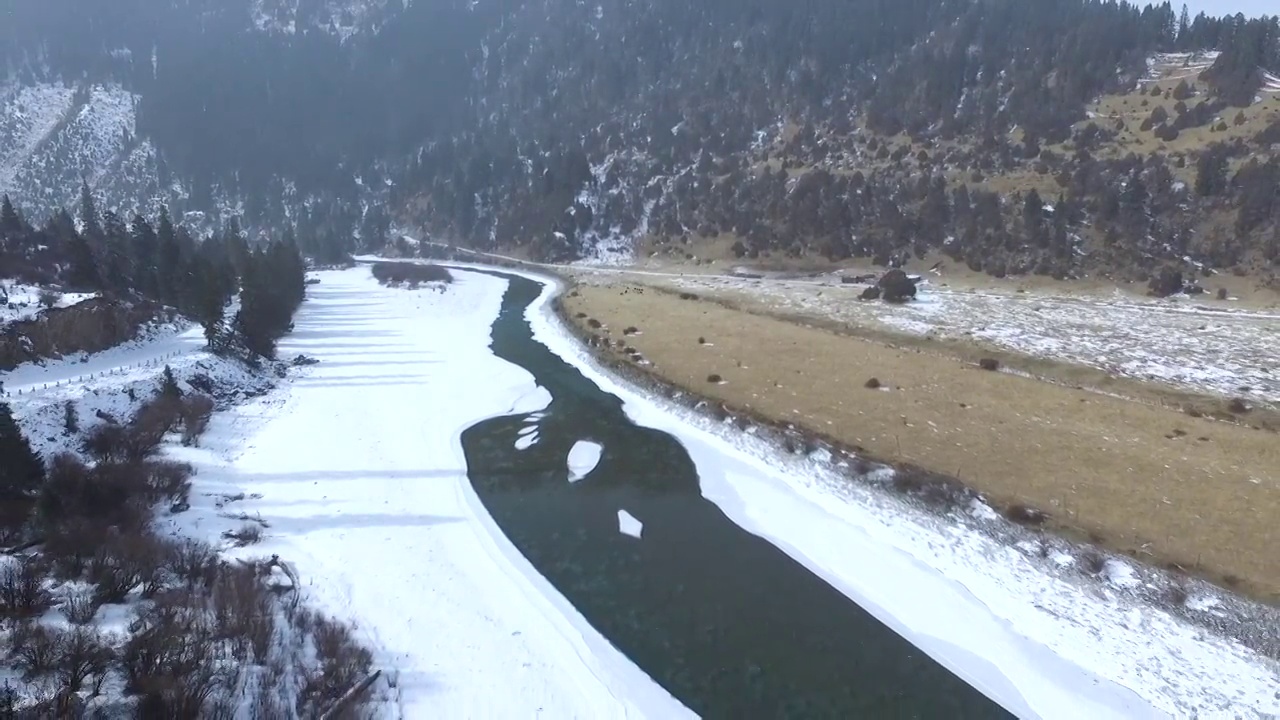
x,y
52,136
342,18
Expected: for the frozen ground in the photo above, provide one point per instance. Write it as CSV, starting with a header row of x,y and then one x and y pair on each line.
x,y
357,469
1200,345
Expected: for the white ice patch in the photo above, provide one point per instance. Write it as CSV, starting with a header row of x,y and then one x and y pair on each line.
x,y
583,458
533,401
527,429
629,525
527,441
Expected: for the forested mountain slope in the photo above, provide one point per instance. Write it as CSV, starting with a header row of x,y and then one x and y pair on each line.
x,y
1052,136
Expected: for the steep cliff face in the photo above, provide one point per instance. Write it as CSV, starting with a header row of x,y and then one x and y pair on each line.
x,y
90,326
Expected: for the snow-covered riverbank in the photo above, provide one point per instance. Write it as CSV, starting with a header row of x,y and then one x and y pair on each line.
x,y
357,469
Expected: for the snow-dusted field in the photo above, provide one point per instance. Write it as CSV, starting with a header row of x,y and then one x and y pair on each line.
x,y
1196,344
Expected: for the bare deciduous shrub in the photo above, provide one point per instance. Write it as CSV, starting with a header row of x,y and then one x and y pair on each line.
x,y
169,481
34,649
989,364
196,412
171,661
83,655
21,593
342,664
80,607
872,384
244,612
391,272
192,562
714,378
126,563
247,534
1237,406
594,324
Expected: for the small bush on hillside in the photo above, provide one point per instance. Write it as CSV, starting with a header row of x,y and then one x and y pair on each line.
x,y
22,593
195,412
989,364
395,273
70,418
49,298
247,534
872,384
715,379
342,663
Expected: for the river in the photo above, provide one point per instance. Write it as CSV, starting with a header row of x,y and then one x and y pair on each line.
x,y
729,624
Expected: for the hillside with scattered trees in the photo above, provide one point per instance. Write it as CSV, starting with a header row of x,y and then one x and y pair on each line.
x,y
832,128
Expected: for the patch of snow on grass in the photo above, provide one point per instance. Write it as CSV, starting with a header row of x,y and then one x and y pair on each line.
x,y
1120,574
583,458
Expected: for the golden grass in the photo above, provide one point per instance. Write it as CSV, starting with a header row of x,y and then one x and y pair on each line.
x,y
1151,482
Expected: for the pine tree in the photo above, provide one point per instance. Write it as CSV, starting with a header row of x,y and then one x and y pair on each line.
x,y
21,469
117,270
168,261
144,257
169,384
89,214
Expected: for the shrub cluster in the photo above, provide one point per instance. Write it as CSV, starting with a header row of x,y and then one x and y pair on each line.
x,y
392,273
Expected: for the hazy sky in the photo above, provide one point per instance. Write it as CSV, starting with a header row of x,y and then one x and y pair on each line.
x,y
1228,7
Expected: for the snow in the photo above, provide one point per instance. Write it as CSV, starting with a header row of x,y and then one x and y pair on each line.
x,y
583,458
28,115
362,479
24,301
141,358
1037,641
629,525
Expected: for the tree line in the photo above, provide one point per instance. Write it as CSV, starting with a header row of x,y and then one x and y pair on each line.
x,y
162,262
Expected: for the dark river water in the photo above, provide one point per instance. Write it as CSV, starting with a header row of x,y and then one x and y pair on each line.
x,y
726,622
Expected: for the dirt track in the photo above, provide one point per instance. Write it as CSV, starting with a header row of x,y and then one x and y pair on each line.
x,y
1153,482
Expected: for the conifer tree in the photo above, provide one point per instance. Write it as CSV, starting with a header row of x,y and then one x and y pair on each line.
x,y
21,469
168,260
143,257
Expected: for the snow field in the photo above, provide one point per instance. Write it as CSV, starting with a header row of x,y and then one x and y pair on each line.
x,y
357,470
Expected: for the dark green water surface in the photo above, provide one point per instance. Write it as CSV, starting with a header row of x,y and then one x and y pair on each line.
x,y
726,622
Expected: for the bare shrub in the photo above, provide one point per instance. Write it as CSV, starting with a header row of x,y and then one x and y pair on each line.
x,y
872,384
80,607
34,649
168,480
342,663
1237,406
109,494
247,534
594,324
244,612
714,378
196,410
49,298
126,563
83,655
391,273
171,661
989,364
192,562
21,591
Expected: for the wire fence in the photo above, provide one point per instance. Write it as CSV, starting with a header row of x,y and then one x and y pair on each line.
x,y
119,370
